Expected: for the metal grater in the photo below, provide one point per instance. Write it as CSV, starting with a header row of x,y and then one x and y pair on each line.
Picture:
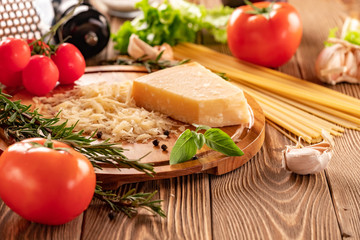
x,y
18,19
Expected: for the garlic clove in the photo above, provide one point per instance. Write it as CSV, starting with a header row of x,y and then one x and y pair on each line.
x,y
306,160
349,62
138,48
357,59
329,64
168,53
350,24
324,57
133,49
348,79
357,56
310,159
148,51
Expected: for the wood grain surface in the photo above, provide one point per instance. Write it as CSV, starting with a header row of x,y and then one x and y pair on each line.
x,y
260,200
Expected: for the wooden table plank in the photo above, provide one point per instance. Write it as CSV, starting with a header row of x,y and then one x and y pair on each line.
x,y
186,204
12,226
263,201
343,172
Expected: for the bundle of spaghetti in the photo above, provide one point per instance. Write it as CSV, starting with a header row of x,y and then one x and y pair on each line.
x,y
299,122
301,107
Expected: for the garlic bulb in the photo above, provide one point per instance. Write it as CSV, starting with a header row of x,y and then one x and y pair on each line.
x,y
138,48
339,62
310,159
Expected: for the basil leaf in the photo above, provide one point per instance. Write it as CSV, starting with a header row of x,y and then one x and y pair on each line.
x,y
219,141
201,127
199,139
184,148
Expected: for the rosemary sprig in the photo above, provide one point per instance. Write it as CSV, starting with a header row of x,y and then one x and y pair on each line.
x,y
130,201
149,64
19,122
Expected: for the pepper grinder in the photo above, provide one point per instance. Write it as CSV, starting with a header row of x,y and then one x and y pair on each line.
x,y
87,29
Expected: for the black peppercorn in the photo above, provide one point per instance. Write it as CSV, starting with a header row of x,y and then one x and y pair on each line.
x,y
166,133
164,147
156,142
194,157
99,134
111,215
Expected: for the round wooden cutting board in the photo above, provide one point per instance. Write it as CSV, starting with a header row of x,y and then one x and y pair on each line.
x,y
249,139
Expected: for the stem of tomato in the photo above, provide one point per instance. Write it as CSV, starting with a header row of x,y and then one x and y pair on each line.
x,y
260,11
48,143
54,28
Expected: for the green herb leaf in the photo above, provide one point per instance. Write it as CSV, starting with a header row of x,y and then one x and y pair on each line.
x,y
332,34
219,141
172,22
13,117
223,76
130,201
122,37
199,139
353,37
184,148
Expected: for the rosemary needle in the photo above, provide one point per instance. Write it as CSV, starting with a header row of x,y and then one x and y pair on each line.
x,y
149,64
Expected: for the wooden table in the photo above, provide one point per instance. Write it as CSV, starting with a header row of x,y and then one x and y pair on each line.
x,y
257,201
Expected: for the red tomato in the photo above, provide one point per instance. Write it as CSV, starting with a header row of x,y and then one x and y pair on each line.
x,y
44,185
70,61
14,54
269,42
40,75
10,79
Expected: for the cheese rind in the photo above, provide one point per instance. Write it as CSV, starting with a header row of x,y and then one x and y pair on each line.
x,y
192,94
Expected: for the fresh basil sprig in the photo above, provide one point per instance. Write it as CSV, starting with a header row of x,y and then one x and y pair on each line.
x,y
189,142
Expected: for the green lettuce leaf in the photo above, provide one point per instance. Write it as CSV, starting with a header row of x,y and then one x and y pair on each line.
x,y
353,37
332,34
172,22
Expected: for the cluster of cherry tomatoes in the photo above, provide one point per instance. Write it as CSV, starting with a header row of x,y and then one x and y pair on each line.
x,y
37,66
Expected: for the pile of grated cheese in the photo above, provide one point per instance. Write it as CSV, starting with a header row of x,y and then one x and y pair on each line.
x,y
107,108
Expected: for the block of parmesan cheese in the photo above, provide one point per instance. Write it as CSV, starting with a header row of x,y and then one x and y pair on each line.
x,y
192,94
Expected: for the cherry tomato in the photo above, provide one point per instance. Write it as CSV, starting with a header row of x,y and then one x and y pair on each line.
x,y
268,39
70,61
40,75
10,79
14,54
44,185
